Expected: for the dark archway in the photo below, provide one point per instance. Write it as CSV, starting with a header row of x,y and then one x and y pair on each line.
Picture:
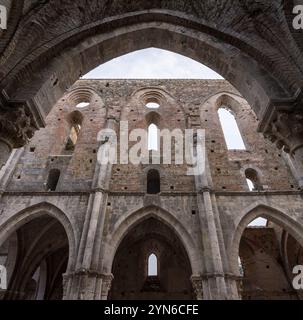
x,y
153,182
36,257
130,267
268,255
53,179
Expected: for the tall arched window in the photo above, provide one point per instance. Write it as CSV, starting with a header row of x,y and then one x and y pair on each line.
x,y
152,268
231,130
75,120
73,137
153,137
153,182
53,179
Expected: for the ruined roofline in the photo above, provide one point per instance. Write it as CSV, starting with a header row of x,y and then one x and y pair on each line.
x,y
150,79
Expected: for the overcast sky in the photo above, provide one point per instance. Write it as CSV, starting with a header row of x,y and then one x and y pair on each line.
x,y
155,63
152,63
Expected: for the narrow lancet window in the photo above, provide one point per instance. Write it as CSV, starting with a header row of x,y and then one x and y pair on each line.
x,y
231,130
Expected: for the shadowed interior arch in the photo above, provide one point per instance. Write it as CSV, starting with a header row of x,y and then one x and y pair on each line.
x,y
266,272
42,257
131,262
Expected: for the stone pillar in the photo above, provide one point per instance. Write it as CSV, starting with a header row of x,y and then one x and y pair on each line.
x,y
214,284
88,282
286,131
215,272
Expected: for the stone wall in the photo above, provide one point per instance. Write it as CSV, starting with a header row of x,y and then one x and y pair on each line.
x,y
124,204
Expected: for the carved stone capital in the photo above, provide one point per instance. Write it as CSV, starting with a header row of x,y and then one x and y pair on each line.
x,y
107,280
286,131
17,125
197,286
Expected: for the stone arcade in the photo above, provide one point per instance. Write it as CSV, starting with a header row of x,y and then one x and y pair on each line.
x,y
71,228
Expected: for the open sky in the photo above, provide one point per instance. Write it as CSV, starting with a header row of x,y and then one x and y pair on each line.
x,y
152,63
155,63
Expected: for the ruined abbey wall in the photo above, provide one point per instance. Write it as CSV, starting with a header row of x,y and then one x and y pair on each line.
x,y
178,216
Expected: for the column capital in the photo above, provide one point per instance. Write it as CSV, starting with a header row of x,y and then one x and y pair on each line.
x,y
197,283
282,122
83,284
89,273
206,276
107,280
17,123
286,130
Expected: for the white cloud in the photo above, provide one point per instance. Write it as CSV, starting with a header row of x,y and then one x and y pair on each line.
x,y
152,63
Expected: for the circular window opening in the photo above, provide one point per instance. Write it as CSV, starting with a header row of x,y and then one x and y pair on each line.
x,y
82,105
152,105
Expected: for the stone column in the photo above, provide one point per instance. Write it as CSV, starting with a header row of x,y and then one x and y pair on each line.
x,y
88,281
286,131
214,284
214,265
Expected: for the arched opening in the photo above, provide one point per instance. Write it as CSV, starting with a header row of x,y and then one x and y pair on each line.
x,y
152,63
133,259
127,38
258,84
153,182
72,138
265,255
36,257
152,270
153,137
253,180
53,179
75,121
232,135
